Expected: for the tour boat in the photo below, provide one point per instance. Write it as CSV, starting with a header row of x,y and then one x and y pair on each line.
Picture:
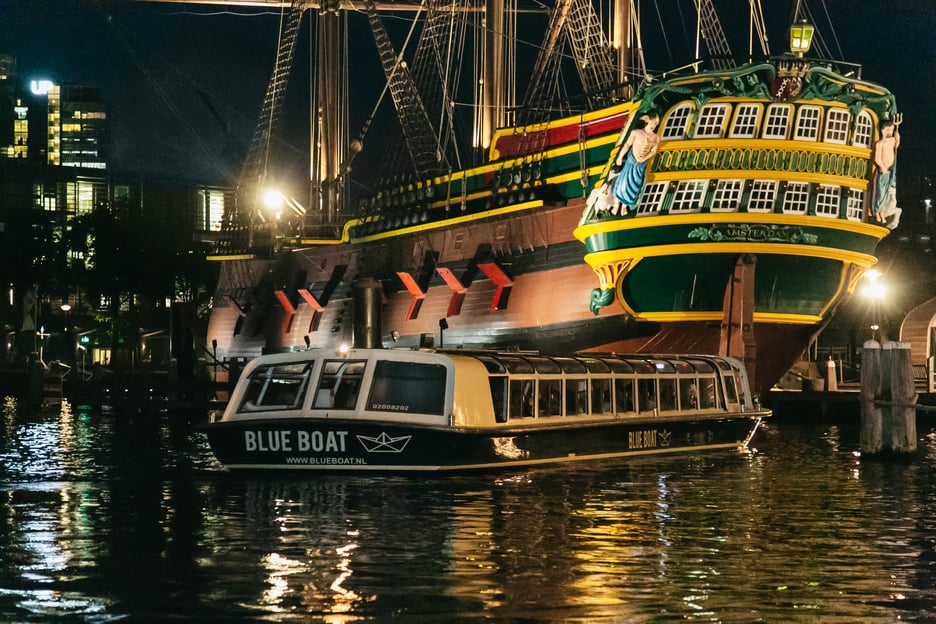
x,y
758,211
420,410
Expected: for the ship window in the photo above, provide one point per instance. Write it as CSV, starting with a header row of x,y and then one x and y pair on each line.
x,y
854,208
662,366
516,365
276,387
643,367
544,365
727,196
550,397
601,396
340,383
730,391
619,366
827,201
409,387
676,123
837,126
745,121
796,198
576,396
688,196
651,200
624,395
778,121
667,395
807,123
492,365
763,195
863,126
711,121
701,366
595,366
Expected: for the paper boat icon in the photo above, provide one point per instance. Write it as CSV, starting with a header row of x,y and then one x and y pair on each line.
x,y
384,443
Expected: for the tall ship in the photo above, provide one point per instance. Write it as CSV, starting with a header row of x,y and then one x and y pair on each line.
x,y
725,206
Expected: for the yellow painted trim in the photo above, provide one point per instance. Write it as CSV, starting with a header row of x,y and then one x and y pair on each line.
x,y
783,145
708,218
424,227
785,249
759,317
225,258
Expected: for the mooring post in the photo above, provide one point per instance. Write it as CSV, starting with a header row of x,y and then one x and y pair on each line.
x,y
871,437
900,417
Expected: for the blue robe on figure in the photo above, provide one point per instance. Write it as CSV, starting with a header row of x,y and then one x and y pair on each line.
x,y
629,183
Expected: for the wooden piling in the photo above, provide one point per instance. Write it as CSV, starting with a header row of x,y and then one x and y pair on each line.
x,y
888,400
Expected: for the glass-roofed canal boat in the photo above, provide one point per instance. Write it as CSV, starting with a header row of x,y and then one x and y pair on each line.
x,y
422,410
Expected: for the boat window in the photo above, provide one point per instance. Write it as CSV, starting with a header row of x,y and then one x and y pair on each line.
x,y
778,121
576,396
595,365
682,366
619,366
646,395
727,197
708,396
340,384
711,121
408,387
688,394
550,397
701,366
276,387
643,366
571,365
499,397
676,123
493,365
544,365
521,398
796,198
807,123
516,365
731,391
863,128
689,196
667,394
601,396
836,130
662,366
745,121
624,395
763,195
827,200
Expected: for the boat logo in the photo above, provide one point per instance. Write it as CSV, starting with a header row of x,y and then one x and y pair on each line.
x,y
754,233
384,443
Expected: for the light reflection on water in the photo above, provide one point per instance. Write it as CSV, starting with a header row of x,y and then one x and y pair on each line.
x,y
108,516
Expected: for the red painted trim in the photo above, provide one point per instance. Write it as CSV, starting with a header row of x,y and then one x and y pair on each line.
x,y
413,288
458,291
311,300
509,145
288,307
235,305
504,284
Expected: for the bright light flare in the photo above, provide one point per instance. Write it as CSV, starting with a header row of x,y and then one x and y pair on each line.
x,y
873,287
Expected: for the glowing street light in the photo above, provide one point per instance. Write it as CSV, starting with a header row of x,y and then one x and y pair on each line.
x,y
275,201
873,287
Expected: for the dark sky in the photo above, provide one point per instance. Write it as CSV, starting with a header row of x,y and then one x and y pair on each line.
x,y
184,82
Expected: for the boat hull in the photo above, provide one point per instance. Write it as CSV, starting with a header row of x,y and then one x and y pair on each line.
x,y
351,445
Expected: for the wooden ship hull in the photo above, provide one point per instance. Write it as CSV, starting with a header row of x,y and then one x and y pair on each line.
x,y
755,222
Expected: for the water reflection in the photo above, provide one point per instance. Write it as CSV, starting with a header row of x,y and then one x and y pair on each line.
x,y
108,515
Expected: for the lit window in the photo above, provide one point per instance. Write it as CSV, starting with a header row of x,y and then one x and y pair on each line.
x,y
651,200
727,196
837,126
863,127
854,207
778,121
711,121
807,123
677,122
763,195
827,201
688,196
796,198
745,121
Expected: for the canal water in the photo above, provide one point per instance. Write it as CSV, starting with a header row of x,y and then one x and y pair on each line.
x,y
109,516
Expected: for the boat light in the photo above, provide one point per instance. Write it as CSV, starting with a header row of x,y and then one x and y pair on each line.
x,y
801,34
343,350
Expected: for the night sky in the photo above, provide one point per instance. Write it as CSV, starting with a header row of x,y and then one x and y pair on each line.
x,y
184,83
